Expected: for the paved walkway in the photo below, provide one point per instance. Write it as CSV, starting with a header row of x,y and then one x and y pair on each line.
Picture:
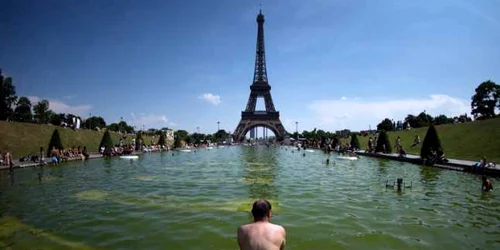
x,y
18,164
452,164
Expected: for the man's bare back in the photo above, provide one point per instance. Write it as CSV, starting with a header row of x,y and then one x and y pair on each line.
x,y
261,234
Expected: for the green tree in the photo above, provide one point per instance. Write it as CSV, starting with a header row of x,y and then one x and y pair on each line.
x,y
221,135
423,120
181,134
442,119
486,100
95,121
41,110
431,143
7,97
386,125
56,119
106,141
113,127
22,113
383,143
161,140
55,142
354,141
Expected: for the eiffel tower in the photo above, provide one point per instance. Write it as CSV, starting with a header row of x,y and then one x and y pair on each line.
x,y
250,118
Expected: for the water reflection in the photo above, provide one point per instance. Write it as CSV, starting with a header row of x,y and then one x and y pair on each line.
x,y
382,166
429,176
260,172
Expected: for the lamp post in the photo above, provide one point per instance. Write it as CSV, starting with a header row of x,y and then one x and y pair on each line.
x,y
297,127
218,126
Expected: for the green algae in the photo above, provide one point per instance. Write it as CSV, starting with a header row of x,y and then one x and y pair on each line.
x,y
10,226
92,195
147,178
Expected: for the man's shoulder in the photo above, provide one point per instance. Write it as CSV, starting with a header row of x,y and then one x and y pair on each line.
x,y
278,227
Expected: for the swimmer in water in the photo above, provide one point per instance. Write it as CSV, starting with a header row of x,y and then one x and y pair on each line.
x,y
328,161
487,186
261,234
304,154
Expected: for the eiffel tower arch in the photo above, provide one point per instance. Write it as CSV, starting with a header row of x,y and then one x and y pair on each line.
x,y
260,88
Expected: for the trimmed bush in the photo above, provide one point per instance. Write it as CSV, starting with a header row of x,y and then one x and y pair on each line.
x,y
161,140
431,142
354,141
55,141
383,143
138,141
106,141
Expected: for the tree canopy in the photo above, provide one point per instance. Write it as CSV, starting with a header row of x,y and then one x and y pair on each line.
x,y
42,112
22,113
94,121
486,100
386,125
7,97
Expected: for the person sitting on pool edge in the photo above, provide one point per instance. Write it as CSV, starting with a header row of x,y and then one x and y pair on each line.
x,y
487,186
261,234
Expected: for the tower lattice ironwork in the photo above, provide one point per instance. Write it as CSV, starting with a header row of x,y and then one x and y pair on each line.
x,y
260,88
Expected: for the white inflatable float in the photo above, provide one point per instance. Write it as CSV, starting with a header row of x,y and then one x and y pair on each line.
x,y
349,158
185,150
210,147
131,157
310,150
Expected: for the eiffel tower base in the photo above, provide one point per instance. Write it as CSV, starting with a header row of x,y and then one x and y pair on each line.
x,y
251,120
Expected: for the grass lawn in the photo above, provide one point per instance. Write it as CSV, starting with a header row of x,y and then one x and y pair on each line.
x,y
466,141
26,138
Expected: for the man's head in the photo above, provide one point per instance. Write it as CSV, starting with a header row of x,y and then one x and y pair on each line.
x,y
261,209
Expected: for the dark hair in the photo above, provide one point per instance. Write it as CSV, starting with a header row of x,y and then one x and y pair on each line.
x,y
261,208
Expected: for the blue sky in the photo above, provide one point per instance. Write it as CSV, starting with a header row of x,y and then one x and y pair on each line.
x,y
188,64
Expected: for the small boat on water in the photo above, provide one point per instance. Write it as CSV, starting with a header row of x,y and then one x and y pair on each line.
x,y
130,157
310,150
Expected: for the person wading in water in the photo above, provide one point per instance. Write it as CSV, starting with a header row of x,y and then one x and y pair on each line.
x,y
261,234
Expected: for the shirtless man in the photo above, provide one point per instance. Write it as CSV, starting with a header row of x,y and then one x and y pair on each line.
x,y
261,234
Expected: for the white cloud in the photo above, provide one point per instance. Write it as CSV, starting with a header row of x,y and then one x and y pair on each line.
x,y
61,107
343,98
211,98
358,114
148,120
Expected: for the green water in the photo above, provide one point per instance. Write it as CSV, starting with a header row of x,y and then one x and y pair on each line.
x,y
197,200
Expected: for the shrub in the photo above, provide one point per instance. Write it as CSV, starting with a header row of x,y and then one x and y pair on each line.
x,y
431,142
106,141
354,141
55,141
138,141
383,139
161,140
